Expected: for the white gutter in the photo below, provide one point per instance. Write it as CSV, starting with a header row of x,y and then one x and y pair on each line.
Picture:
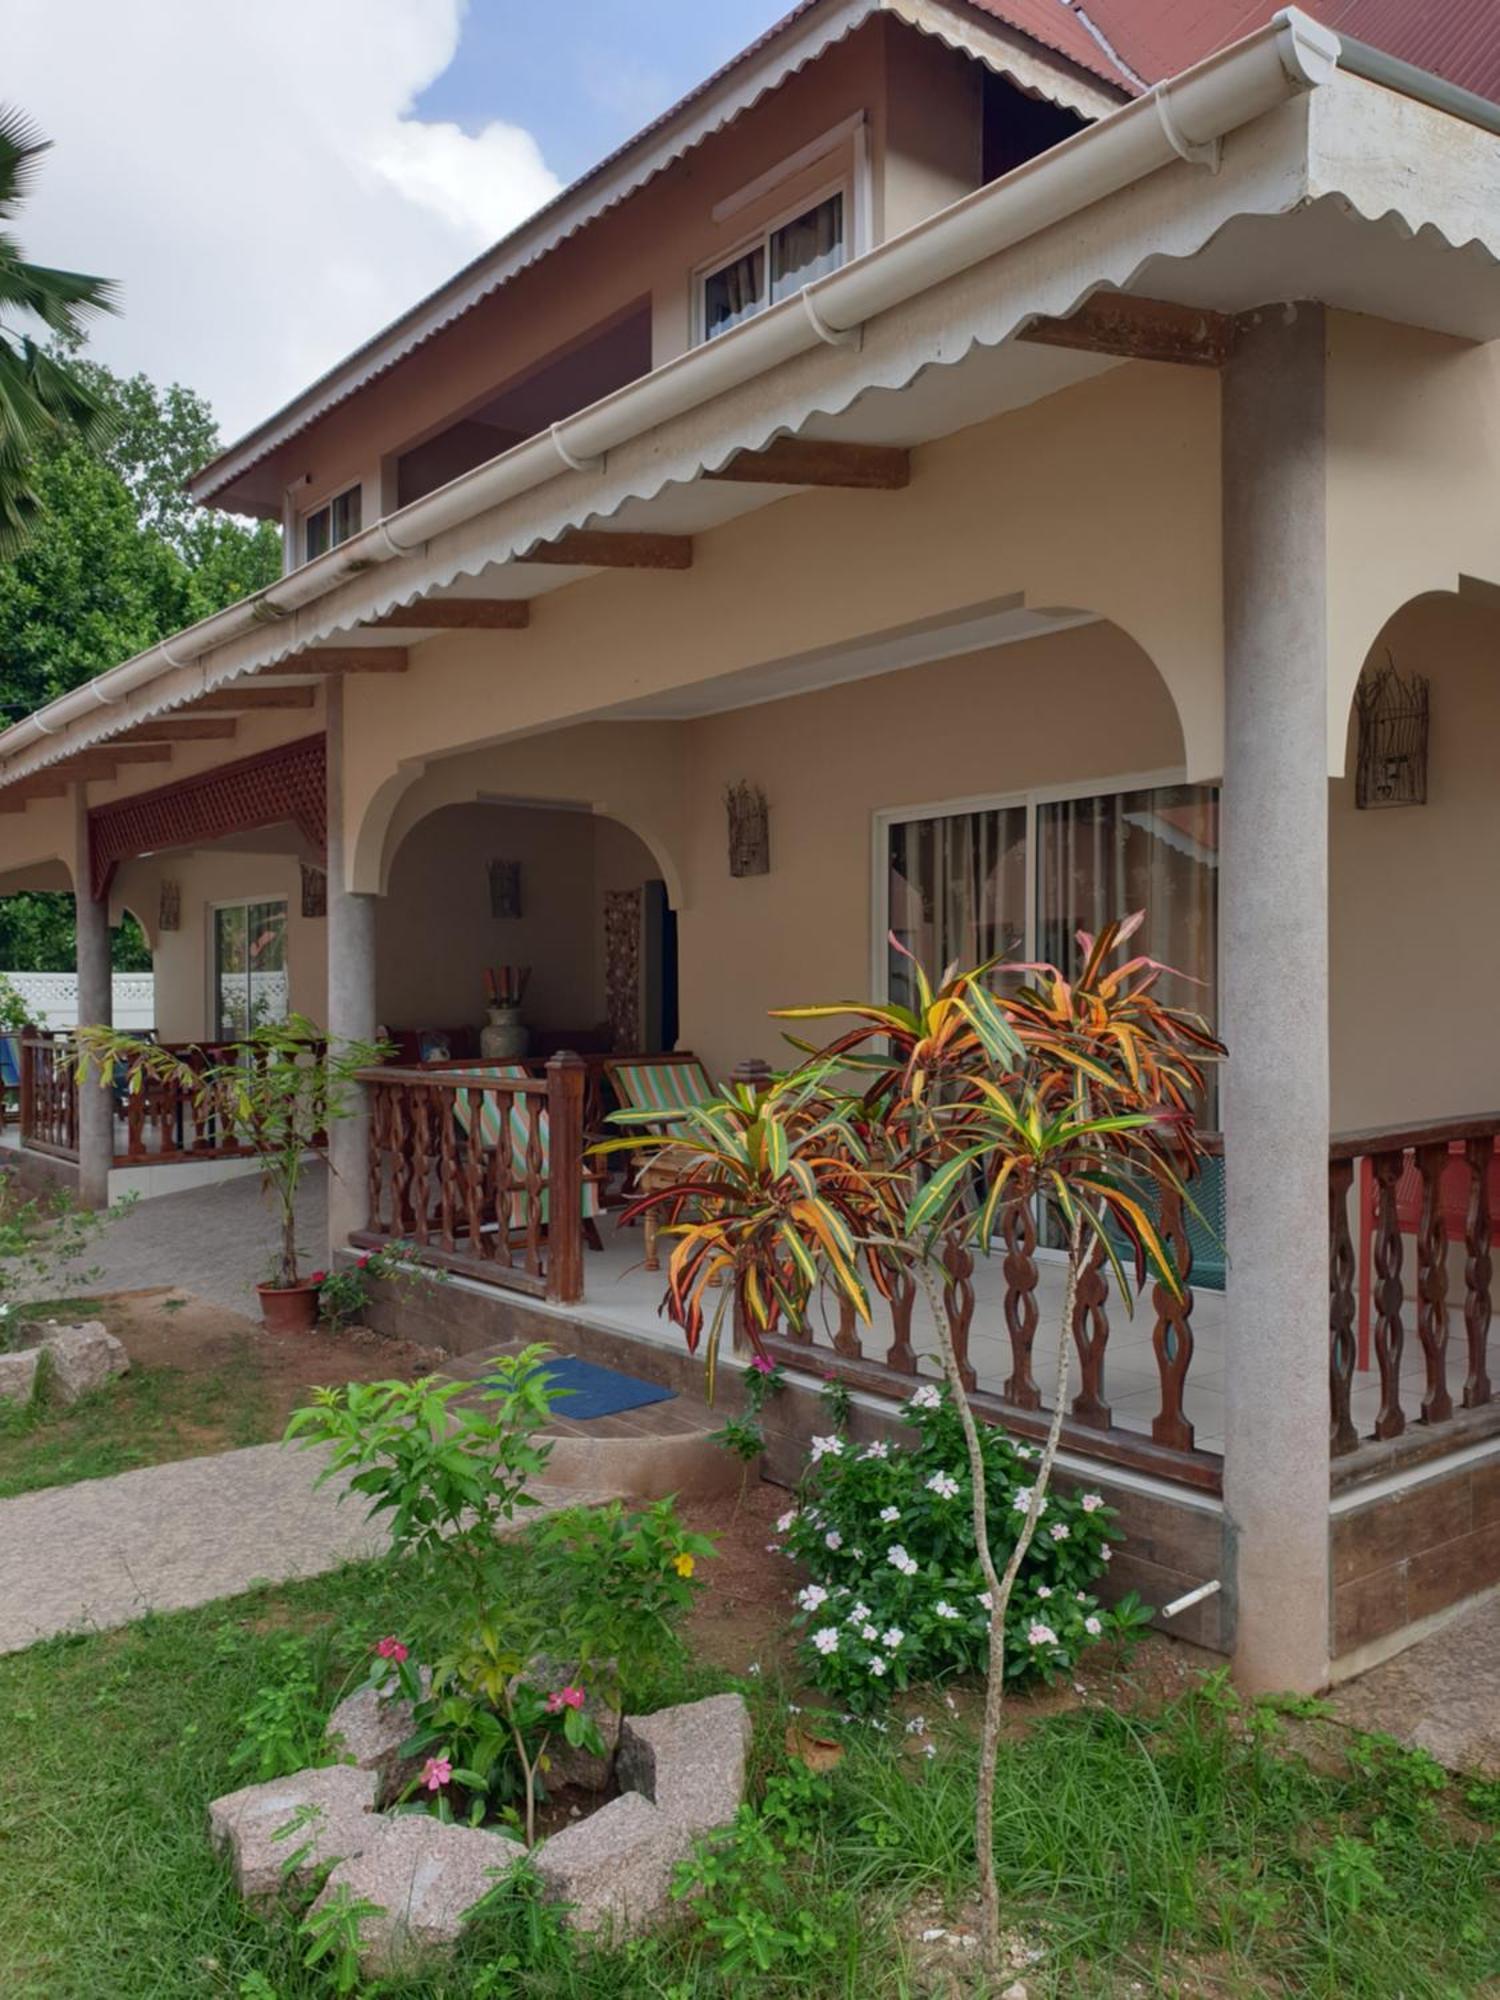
x,y
1183,118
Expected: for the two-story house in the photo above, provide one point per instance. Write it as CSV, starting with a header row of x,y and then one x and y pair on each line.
x,y
972,468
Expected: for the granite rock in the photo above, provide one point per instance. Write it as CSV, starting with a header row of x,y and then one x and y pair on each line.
x,y
338,1802
82,1358
368,1729
689,1761
614,1869
18,1375
424,1877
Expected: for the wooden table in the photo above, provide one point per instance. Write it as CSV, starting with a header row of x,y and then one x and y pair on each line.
x,y
661,1168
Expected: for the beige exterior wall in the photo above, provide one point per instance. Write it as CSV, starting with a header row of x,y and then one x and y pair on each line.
x,y
1414,946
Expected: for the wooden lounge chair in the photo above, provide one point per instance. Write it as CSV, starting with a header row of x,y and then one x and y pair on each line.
x,y
667,1085
489,1137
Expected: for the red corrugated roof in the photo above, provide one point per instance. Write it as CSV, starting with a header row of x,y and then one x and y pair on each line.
x,y
1061,28
1455,39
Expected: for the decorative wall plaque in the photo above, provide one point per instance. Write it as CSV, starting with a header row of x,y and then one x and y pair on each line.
x,y
749,830
169,907
1392,763
314,891
505,888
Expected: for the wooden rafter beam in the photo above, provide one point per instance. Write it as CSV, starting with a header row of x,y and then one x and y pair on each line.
x,y
460,614
178,729
16,798
343,660
600,548
1140,330
86,764
797,461
243,696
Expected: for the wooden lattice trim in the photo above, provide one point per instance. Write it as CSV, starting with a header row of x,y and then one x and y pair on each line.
x,y
287,783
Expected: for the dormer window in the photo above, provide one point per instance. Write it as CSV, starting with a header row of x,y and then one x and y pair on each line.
x,y
334,522
781,261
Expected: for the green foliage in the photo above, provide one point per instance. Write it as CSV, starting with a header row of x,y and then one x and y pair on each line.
x,y
897,1594
617,1585
14,1012
37,929
332,1937
344,1292
743,1435
282,1729
741,1892
43,1246
282,1086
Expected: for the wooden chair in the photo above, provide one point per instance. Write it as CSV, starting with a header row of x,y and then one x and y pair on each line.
x,y
668,1085
489,1137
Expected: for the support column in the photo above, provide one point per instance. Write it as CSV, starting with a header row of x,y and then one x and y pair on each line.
x,y
1275,931
96,1111
351,992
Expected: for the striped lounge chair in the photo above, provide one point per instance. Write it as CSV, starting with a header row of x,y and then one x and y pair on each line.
x,y
489,1135
666,1084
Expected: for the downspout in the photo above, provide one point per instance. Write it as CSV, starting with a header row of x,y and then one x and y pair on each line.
x,y
1185,117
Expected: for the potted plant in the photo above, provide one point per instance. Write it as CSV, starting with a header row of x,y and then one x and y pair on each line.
x,y
282,1087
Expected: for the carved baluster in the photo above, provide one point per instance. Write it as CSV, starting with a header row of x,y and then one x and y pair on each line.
x,y
447,1168
901,1355
1343,1348
958,1303
536,1180
1432,1283
402,1217
375,1158
474,1178
502,1172
1018,1228
1091,1338
421,1162
135,1121
1479,1153
564,1115
1172,1336
1390,1332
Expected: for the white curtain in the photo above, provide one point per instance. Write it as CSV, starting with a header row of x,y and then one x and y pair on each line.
x,y
957,891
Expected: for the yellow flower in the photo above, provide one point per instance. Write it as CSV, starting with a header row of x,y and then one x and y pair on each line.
x,y
683,1565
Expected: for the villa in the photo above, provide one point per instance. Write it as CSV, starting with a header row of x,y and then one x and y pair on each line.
x,y
972,468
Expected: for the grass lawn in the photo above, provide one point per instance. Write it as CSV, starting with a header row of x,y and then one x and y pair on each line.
x,y
1195,1849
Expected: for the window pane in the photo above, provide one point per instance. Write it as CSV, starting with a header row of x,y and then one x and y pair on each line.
x,y
735,293
231,998
266,961
957,892
807,248
315,534
346,513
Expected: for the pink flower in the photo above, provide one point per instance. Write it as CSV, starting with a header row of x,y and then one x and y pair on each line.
x,y
317,1277
364,1262
763,1364
391,1649
568,1697
436,1772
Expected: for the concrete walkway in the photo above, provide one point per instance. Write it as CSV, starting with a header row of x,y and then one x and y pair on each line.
x,y
216,1241
1441,1695
104,1552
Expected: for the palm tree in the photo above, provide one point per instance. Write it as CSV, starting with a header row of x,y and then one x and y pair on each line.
x,y
40,394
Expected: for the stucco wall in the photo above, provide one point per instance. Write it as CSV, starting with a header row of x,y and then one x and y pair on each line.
x,y
435,933
1415,950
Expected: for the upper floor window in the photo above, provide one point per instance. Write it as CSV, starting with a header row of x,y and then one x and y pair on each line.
x,y
780,262
334,522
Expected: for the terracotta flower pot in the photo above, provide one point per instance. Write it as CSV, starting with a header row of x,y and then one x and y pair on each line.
x,y
288,1308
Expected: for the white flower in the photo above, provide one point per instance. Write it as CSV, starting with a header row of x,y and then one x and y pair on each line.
x,y
1041,1635
868,1633
986,1600
827,1640
1092,1502
929,1749
786,1521
890,1513
1044,1590
944,1485
812,1596
773,1548
897,1557
858,1613
1058,1531
827,1447
916,1725
943,1609
928,1397
1080,1597
858,1555
879,1449
753,1668
1025,1453
1093,1627
842,1591
891,1637
833,1539
1021,1499
1107,1554
877,1666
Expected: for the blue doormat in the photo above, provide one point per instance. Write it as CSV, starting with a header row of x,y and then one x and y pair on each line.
x,y
597,1392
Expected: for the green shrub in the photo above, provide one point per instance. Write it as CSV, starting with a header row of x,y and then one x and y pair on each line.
x,y
886,1532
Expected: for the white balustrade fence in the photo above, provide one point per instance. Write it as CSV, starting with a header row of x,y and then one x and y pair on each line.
x,y
53,996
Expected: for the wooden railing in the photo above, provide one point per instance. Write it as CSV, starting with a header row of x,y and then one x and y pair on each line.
x,y
49,1095
1439,1184
884,1361
481,1175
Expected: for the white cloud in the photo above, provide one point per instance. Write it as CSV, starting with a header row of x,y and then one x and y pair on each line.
x,y
252,175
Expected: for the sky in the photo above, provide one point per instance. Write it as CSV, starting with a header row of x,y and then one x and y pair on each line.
x,y
272,181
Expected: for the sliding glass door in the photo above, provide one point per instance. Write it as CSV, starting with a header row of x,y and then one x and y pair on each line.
x,y
249,978
956,890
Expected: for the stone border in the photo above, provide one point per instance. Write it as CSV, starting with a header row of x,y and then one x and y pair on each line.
x,y
75,1360
681,1772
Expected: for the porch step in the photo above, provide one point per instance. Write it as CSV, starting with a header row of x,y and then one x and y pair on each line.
x,y
641,1454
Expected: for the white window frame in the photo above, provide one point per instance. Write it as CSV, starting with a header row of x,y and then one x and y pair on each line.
x,y
761,239
305,514
211,949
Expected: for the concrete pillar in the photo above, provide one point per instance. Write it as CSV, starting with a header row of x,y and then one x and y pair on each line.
x,y
351,991
96,1125
1275,945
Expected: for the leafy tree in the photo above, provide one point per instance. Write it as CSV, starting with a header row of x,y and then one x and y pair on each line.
x,y
36,935
43,396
